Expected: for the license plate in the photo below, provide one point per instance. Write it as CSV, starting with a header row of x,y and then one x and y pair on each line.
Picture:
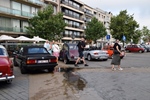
x,y
42,61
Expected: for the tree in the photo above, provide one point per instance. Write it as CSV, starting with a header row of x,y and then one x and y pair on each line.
x,y
95,30
124,24
47,25
145,34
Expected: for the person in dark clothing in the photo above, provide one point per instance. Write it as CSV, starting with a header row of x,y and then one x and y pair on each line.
x,y
116,56
81,46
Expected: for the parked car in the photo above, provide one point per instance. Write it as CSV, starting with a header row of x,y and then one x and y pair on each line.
x,y
94,53
146,47
69,53
134,48
110,49
34,57
6,66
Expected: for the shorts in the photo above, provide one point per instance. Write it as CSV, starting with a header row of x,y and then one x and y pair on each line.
x,y
80,54
56,54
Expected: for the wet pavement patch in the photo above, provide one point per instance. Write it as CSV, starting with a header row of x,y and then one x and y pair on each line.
x,y
73,78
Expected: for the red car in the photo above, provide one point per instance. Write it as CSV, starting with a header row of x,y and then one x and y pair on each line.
x,y
6,66
135,48
69,53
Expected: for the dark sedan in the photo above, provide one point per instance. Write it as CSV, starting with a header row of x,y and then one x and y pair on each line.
x,y
34,57
69,53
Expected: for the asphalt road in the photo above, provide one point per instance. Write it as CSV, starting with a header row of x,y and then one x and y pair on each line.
x,y
101,83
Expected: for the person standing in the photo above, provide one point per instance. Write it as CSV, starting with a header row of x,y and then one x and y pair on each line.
x,y
81,46
56,50
50,47
116,56
47,45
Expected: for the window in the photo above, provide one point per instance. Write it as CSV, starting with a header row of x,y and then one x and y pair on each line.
x,y
36,50
3,52
26,10
16,8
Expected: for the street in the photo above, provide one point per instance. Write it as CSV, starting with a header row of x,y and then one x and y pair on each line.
x,y
100,83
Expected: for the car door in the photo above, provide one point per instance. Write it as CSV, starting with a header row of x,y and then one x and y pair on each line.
x,y
135,48
19,56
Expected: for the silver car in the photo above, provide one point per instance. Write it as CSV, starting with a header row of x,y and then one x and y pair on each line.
x,y
91,54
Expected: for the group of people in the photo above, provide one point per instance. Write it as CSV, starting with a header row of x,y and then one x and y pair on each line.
x,y
52,48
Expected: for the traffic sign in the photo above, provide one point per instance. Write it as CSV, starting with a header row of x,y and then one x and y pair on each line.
x,y
107,37
124,38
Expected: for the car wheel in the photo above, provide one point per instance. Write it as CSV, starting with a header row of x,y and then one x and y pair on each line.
x,y
50,69
140,51
15,63
23,70
105,59
89,57
127,50
66,61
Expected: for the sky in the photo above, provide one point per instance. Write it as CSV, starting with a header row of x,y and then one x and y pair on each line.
x,y
140,9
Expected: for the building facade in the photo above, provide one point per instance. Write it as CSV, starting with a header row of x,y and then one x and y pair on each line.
x,y
14,15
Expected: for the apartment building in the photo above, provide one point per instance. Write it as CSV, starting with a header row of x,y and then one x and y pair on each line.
x,y
73,11
105,18
14,15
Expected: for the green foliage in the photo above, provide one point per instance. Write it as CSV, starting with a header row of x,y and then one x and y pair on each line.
x,y
124,24
46,24
145,34
95,30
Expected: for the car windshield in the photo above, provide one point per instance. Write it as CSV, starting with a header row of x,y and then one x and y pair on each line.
x,y
36,50
3,52
73,47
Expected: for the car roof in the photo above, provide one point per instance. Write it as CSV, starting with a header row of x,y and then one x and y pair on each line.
x,y
70,43
1,46
33,46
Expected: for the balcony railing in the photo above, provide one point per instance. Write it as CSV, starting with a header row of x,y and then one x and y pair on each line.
x,y
15,12
89,14
12,29
38,2
68,4
75,26
73,16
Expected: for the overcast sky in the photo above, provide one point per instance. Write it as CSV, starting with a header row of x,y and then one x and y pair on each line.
x,y
140,8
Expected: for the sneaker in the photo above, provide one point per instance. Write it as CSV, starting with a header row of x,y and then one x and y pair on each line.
x,y
86,65
113,69
120,68
76,65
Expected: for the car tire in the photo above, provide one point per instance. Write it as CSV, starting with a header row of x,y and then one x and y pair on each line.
x,y
15,63
140,51
23,70
50,69
66,61
89,57
127,50
105,59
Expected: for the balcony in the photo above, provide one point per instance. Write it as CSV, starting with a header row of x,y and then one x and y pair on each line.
x,y
37,3
54,2
15,12
12,29
73,16
89,14
68,4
